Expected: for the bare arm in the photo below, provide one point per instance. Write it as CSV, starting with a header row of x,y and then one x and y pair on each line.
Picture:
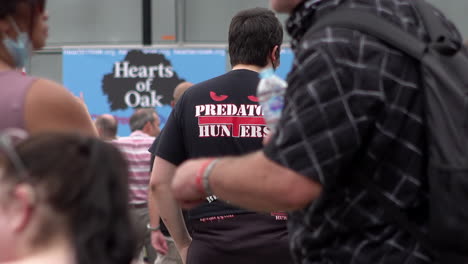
x,y
161,196
51,107
251,181
158,241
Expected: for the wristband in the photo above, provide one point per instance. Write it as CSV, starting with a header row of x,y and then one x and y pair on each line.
x,y
206,175
149,227
202,178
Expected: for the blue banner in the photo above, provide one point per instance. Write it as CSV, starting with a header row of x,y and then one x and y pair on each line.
x,y
116,81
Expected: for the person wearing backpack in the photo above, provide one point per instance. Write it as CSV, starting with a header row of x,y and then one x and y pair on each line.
x,y
357,147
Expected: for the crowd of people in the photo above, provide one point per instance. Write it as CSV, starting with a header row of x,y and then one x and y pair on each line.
x,y
199,191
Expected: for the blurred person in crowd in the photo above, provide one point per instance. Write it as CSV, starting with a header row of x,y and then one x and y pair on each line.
x,y
179,90
165,244
144,124
65,205
353,112
221,117
27,102
106,125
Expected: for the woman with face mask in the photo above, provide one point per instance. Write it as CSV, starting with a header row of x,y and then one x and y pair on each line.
x,y
26,102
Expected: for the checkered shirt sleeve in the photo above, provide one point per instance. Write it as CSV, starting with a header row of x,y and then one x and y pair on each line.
x,y
330,104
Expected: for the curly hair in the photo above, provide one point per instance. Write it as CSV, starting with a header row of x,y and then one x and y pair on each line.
x,y
84,181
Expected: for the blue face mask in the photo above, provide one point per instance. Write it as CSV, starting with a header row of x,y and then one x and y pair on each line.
x,y
19,49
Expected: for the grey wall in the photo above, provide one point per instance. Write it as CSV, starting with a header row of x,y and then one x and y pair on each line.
x,y
175,22
456,10
208,20
83,22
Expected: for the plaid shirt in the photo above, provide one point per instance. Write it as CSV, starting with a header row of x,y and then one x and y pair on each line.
x,y
353,111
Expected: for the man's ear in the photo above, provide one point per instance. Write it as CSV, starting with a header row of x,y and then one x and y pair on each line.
x,y
22,207
275,56
147,128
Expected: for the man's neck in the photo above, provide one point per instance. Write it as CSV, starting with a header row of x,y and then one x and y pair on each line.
x,y
254,68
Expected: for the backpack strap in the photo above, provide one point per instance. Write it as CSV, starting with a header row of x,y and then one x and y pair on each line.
x,y
373,25
439,36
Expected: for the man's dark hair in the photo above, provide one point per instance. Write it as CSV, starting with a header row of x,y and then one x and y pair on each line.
x,y
84,181
141,116
253,34
107,126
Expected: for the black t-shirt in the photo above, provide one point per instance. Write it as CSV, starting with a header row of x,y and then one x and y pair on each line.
x,y
218,117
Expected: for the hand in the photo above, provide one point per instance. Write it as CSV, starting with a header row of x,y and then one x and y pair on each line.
x,y
159,243
184,186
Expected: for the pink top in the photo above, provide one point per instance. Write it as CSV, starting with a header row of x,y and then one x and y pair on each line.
x,y
14,86
135,149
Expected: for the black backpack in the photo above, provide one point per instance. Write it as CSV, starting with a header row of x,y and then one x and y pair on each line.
x,y
444,76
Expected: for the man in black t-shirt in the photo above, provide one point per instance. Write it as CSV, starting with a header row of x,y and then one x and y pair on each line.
x,y
215,118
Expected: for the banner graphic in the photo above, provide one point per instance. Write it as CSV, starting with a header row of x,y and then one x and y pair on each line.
x,y
116,81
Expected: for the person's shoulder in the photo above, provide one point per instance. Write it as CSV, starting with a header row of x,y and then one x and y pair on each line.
x,y
47,84
50,106
135,140
207,85
144,141
196,93
46,91
124,143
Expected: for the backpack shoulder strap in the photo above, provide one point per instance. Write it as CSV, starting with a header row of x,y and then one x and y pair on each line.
x,y
373,25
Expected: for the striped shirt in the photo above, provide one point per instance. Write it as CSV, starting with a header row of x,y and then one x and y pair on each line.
x,y
135,149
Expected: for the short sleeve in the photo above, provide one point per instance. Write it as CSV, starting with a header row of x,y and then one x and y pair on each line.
x,y
154,146
325,116
170,143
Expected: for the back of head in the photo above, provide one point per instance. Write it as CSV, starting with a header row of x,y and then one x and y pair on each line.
x,y
179,91
253,34
141,117
106,125
83,181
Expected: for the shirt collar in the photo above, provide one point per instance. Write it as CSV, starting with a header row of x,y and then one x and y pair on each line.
x,y
302,18
138,133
